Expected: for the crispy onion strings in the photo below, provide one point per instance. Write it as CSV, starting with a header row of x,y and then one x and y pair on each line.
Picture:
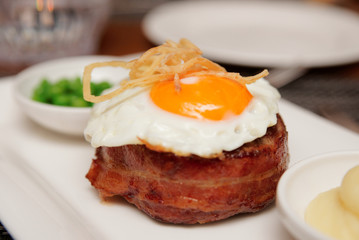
x,y
169,61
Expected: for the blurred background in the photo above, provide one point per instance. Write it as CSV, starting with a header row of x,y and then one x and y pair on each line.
x,y
33,31
36,30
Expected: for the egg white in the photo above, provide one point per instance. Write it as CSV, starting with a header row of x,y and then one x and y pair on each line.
x,y
131,116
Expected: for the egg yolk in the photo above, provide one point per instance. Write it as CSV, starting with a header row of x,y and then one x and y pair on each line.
x,y
202,97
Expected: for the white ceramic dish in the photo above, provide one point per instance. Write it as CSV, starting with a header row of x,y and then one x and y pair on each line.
x,y
260,33
304,181
66,120
44,192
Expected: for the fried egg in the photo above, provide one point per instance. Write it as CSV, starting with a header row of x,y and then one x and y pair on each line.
x,y
202,115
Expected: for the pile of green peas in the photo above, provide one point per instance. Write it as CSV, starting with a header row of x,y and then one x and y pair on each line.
x,y
66,92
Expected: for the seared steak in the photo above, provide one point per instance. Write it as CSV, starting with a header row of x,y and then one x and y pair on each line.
x,y
194,189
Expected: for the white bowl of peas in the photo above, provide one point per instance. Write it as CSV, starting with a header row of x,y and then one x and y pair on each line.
x,y
50,93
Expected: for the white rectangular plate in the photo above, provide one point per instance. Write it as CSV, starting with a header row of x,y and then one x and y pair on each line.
x,y
44,193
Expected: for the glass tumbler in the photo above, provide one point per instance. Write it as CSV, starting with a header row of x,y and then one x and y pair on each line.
x,y
32,31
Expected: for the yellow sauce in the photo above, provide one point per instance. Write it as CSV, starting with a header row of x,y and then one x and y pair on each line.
x,y
336,212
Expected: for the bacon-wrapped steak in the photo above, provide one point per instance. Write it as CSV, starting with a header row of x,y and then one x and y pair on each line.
x,y
193,189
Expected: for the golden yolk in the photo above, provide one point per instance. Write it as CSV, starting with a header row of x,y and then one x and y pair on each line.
x,y
202,97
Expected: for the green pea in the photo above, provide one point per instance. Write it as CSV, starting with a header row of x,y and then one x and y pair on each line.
x,y
64,84
42,91
78,102
61,100
75,87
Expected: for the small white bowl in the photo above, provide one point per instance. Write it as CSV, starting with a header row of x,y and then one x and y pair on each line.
x,y
66,120
302,182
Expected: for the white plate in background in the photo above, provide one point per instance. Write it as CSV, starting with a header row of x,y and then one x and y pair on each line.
x,y
260,33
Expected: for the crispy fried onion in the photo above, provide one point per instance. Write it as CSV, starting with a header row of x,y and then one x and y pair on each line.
x,y
169,61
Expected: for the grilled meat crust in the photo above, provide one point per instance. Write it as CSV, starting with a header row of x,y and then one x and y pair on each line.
x,y
193,189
